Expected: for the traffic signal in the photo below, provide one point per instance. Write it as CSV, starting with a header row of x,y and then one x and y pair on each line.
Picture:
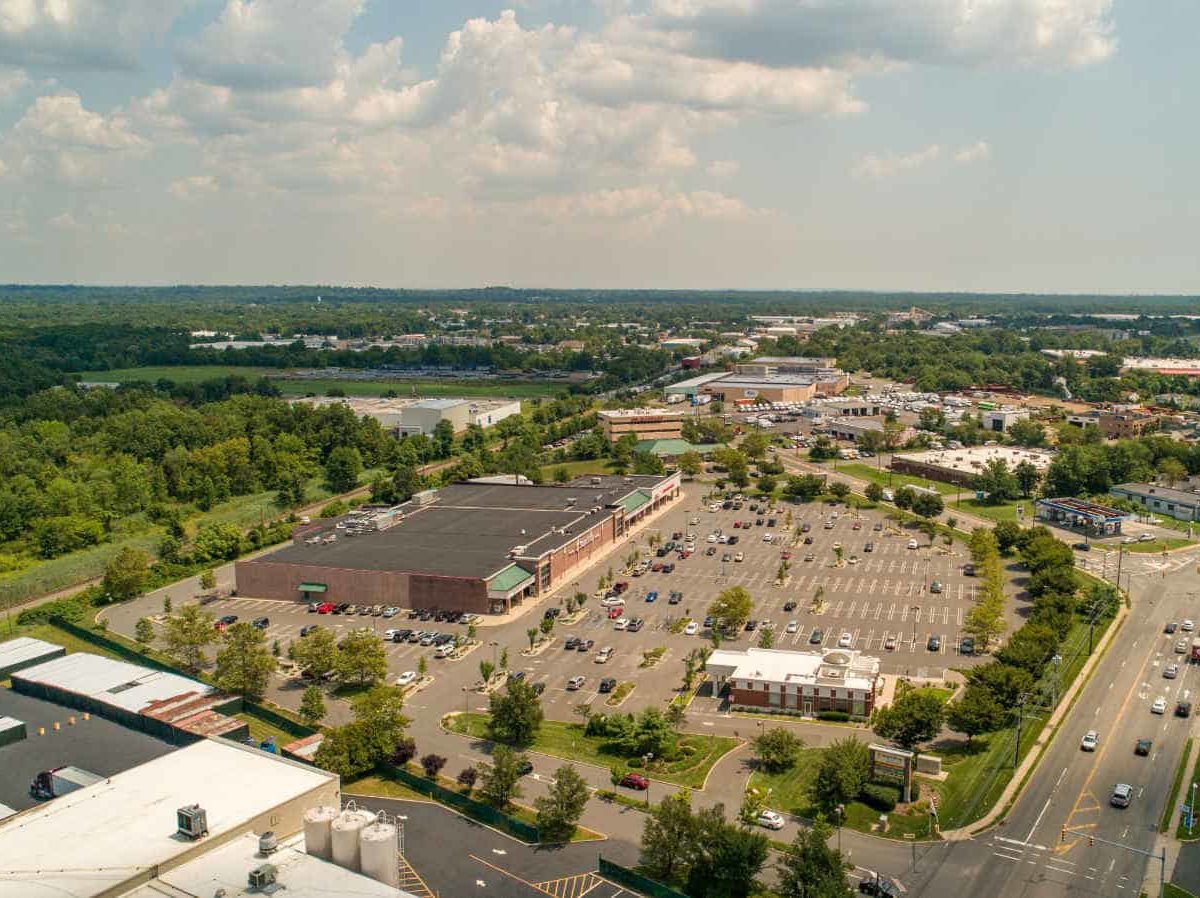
x,y
1063,837
1092,840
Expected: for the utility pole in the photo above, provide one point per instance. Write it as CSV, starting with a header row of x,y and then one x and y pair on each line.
x,y
1020,718
1120,558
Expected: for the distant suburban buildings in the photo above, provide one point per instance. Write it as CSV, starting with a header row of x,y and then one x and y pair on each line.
x,y
853,428
1001,419
643,423
802,682
1118,424
403,416
767,365
1182,367
1090,517
1179,504
475,547
961,466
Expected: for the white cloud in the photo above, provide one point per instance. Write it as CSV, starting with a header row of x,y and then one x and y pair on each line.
x,y
193,187
877,167
976,152
644,207
723,168
1049,33
81,34
62,120
12,81
272,43
64,222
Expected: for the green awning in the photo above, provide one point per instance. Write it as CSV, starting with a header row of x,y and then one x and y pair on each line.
x,y
510,578
634,501
313,587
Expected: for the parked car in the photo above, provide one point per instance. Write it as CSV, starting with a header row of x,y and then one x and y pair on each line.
x,y
816,637
890,643
912,543
739,557
966,645
260,623
1171,627
603,656
877,886
608,684
614,613
935,586
789,605
845,641
652,596
326,608
770,819
585,645
391,611
636,624
934,644
793,626
571,642
227,620
691,629
621,623
575,683
635,781
445,650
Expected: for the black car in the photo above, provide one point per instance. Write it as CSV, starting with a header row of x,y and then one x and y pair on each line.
x,y
968,570
1143,747
516,676
1171,627
934,644
304,631
260,623
770,522
758,522
733,540
227,620
584,645
551,612
808,540
608,684
879,887
668,567
805,527
966,646
571,642
676,597
401,635
525,766
1183,709
789,606
539,687
751,625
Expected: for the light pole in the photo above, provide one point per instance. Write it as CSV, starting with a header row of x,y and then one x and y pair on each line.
x,y
646,759
1192,809
916,610
495,653
841,813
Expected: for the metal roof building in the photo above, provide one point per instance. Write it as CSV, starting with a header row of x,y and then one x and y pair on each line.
x,y
25,651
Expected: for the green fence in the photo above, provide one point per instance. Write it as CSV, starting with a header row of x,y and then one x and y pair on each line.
x,y
114,647
631,879
475,809
273,717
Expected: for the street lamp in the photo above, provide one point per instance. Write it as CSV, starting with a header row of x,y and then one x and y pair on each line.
x,y
916,609
646,759
841,814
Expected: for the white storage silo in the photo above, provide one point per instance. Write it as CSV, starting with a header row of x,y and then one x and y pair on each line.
x,y
380,847
318,837
346,830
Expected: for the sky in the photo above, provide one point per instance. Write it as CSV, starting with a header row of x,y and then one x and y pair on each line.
x,y
969,145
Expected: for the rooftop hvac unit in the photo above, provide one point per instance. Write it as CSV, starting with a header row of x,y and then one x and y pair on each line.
x,y
267,842
262,877
192,821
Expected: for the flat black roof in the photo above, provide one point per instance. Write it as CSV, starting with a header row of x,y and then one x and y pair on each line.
x,y
469,529
97,745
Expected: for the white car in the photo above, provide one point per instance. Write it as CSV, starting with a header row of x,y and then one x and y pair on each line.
x,y
793,626
770,820
391,611
767,538
694,521
912,543
445,650
389,635
739,557
691,629
407,678
612,601
711,538
575,683
845,641
1159,706
1145,538
1171,671
620,623
1187,626
1089,741
604,654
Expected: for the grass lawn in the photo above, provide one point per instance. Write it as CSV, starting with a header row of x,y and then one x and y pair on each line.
x,y
261,729
1185,796
790,794
1170,890
567,740
978,772
382,788
182,374
1159,545
885,477
1170,811
578,468
1004,511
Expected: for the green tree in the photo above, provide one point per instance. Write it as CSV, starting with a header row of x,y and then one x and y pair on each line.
x,y
208,579
839,489
186,635
985,619
486,669
317,653
1007,534
804,488
733,605
1171,471
125,574
977,712
690,463
727,857
778,749
810,868
1027,432
380,712
843,768
516,713
754,445
996,481
217,542
501,778
1028,477
560,809
531,634
561,475
343,468
766,638
312,706
912,718
244,663
443,439
406,483
928,505
143,631
361,657
668,838
546,625
874,492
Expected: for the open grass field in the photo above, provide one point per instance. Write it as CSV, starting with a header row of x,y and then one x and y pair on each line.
x,y
578,468
567,741
1003,511
321,386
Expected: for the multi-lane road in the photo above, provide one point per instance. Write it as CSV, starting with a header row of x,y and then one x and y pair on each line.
x,y
1027,855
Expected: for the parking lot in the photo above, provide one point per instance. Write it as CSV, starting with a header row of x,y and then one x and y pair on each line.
x,y
879,601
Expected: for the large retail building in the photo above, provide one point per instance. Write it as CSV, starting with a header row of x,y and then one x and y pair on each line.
x,y
479,547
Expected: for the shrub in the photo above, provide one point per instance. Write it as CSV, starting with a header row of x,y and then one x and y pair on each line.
x,y
467,777
835,716
405,751
634,763
432,764
880,797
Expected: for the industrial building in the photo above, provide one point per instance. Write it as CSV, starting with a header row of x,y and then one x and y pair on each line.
x,y
401,415
643,423
1179,504
478,547
961,466
791,389
853,429
804,682
25,651
999,420
215,818
769,365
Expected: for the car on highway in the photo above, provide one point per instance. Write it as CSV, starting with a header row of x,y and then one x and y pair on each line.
x,y
691,629
770,819
1143,747
1122,795
1090,740
793,626
575,683
845,641
635,781
1183,709
934,644
816,636
1171,671
407,678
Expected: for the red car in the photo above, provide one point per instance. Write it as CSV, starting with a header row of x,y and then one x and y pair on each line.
x,y
657,567
325,608
857,526
635,781
615,612
737,525
786,556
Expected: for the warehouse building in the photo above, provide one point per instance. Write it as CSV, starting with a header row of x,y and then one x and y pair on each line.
x,y
643,423
406,415
1179,504
769,365
806,683
478,547
961,466
791,389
